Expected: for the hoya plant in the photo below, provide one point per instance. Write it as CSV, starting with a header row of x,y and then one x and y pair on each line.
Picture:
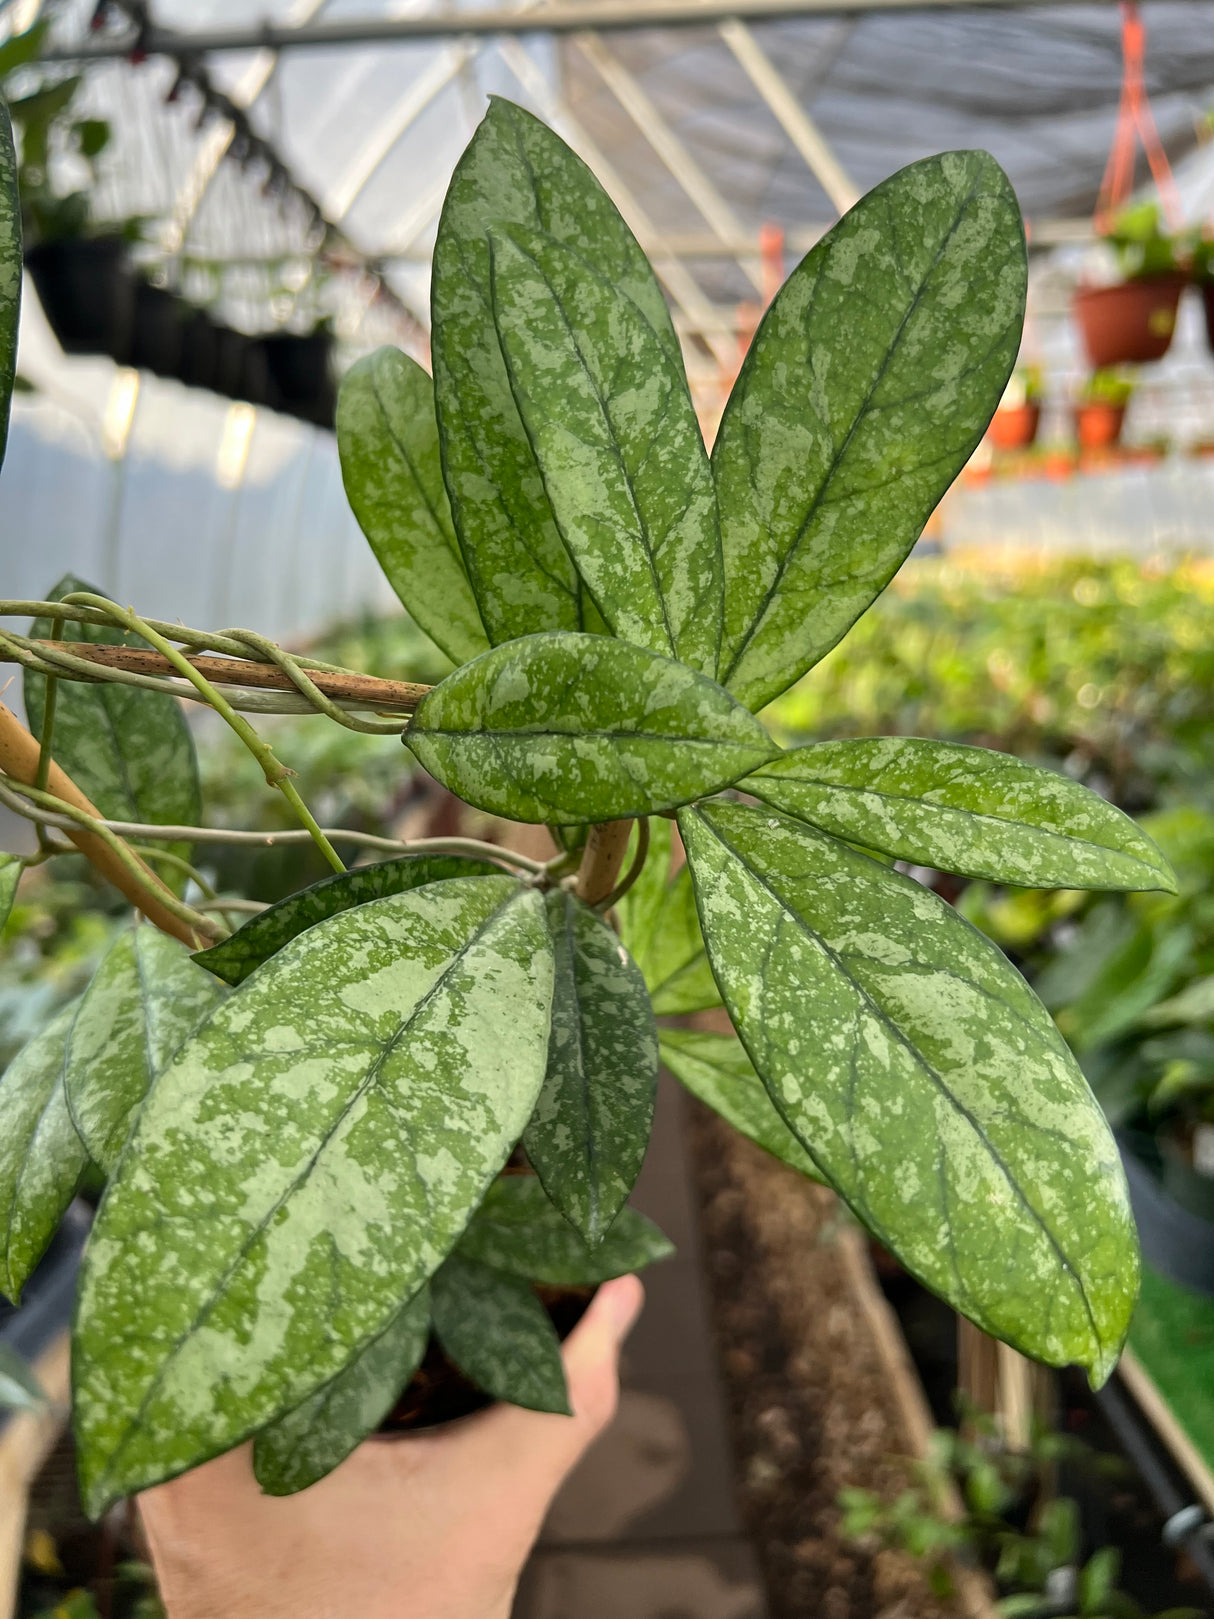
x,y
302,1125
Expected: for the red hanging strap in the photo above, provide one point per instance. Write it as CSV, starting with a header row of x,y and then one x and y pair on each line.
x,y
1135,120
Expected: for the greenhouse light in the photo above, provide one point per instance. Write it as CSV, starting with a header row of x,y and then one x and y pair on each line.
x,y
233,454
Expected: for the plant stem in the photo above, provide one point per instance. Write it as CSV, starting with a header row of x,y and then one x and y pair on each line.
x,y
166,857
19,762
634,870
276,773
50,697
600,869
12,793
338,834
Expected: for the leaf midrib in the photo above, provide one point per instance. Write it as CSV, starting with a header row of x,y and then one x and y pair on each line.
x,y
836,460
920,1060
372,1077
980,816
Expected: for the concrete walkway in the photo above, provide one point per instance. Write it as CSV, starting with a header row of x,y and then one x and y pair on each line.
x,y
646,1527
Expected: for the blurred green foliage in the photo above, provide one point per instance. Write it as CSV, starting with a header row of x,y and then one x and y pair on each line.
x,y
1010,1522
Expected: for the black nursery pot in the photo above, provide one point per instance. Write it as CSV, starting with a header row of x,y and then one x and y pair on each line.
x,y
300,369
440,1393
1175,1239
158,331
87,288
199,350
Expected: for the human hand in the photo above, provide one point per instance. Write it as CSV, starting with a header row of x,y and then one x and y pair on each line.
x,y
433,1526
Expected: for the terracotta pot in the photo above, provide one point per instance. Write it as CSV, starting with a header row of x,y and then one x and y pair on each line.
x,y
1098,424
1058,466
1014,427
1129,323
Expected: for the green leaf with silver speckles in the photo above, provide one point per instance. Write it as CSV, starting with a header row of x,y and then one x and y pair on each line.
x,y
607,411
11,867
967,810
129,751
264,935
499,1335
144,1000
515,172
517,1229
319,1144
587,1137
10,271
924,1078
317,1436
387,437
582,728
661,930
867,388
715,1068
41,1156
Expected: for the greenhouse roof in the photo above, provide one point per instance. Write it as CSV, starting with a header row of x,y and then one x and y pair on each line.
x,y
705,129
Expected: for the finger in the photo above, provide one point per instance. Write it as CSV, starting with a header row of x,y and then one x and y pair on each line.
x,y
592,1351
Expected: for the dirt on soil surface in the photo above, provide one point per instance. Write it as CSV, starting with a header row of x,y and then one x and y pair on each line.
x,y
811,1410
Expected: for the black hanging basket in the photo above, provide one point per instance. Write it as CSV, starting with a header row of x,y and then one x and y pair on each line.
x,y
158,333
87,289
199,350
302,373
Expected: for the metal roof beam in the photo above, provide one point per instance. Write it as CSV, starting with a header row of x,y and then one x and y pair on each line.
x,y
684,290
562,17
790,115
639,105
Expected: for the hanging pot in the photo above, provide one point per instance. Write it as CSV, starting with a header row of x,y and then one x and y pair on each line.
x,y
1207,299
301,373
256,384
1098,424
87,290
1130,323
199,350
157,332
1014,427
230,350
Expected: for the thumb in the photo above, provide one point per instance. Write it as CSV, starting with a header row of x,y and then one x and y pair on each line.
x,y
592,1353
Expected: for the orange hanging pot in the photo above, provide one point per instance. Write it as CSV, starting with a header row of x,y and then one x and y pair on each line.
x,y
1129,323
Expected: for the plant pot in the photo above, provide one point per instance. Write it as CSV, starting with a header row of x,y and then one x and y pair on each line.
x,y
158,330
1175,1240
439,1392
229,361
301,373
1098,424
1207,303
1014,427
199,350
256,385
87,289
1130,323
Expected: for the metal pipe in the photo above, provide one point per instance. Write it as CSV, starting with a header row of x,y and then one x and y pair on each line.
x,y
1134,1438
562,17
